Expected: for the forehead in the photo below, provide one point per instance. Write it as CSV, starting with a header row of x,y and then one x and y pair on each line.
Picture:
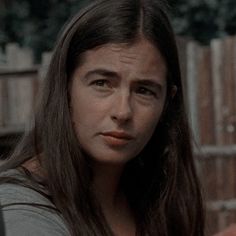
x,y
141,56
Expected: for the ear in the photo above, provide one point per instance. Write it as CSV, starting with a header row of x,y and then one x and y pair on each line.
x,y
173,91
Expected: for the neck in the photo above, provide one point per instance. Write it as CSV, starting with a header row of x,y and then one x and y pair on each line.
x,y
106,184
112,200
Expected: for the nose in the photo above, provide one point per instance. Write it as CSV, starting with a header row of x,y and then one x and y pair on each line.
x,y
122,109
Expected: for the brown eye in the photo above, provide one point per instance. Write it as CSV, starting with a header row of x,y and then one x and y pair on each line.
x,y
100,83
145,91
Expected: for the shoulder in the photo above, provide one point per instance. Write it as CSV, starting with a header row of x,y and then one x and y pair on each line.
x,y
24,211
13,192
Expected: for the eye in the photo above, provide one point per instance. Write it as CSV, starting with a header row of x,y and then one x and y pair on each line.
x,y
145,91
100,83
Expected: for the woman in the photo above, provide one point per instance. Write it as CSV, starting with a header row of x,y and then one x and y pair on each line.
x,y
110,152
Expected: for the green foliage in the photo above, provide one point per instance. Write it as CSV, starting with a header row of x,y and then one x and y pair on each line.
x,y
36,23
203,20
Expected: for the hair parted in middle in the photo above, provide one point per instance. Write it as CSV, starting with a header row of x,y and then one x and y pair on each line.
x,y
160,183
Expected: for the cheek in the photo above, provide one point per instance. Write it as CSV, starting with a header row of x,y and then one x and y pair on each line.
x,y
86,112
148,122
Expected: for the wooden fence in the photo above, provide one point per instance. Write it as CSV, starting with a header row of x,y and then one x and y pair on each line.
x,y
209,79
19,82
217,171
209,74
210,84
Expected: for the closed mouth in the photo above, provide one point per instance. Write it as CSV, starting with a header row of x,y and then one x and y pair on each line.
x,y
118,135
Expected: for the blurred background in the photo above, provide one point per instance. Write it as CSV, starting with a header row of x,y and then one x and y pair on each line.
x,y
206,36
35,24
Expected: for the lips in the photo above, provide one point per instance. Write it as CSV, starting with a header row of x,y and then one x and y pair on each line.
x,y
115,138
116,134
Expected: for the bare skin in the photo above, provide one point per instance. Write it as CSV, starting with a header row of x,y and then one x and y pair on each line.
x,y
113,202
117,98
122,89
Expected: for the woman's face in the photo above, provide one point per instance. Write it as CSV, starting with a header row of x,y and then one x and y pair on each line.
x,y
117,98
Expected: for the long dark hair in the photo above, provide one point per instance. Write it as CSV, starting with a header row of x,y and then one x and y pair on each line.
x,y
160,183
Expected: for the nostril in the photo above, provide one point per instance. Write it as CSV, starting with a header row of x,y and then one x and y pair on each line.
x,y
122,108
122,114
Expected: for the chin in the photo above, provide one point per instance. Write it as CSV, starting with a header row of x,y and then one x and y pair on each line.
x,y
112,159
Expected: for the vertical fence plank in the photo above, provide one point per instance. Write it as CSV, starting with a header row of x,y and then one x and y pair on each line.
x,y
229,91
192,87
217,61
205,98
1,103
12,50
18,90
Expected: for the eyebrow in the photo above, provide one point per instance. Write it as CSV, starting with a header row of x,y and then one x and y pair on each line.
x,y
102,72
150,83
108,73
